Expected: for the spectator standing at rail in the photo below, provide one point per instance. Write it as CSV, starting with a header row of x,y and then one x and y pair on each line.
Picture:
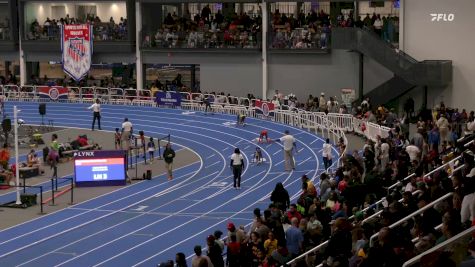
x,y
289,144
96,115
327,154
237,165
168,156
126,132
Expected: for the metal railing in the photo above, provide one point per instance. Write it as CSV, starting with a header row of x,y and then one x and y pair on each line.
x,y
219,103
419,211
456,238
425,175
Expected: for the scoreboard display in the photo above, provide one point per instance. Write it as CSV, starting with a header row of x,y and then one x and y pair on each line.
x,y
100,168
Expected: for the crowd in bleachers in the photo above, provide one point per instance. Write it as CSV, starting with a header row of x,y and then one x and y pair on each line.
x,y
103,31
304,31
206,30
90,81
342,207
386,27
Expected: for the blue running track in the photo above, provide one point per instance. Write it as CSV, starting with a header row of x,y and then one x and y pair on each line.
x,y
150,221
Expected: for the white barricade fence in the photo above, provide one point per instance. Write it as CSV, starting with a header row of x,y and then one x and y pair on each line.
x,y
197,97
145,95
217,108
236,110
74,94
244,101
343,121
102,93
11,92
232,100
86,93
116,94
359,126
28,92
384,131
185,97
221,99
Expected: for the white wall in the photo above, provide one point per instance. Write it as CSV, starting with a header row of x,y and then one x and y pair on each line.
x,y
426,39
105,10
304,74
300,74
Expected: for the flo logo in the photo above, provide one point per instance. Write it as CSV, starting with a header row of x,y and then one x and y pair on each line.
x,y
442,17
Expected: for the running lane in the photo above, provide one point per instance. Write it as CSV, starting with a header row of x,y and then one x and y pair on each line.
x,y
154,221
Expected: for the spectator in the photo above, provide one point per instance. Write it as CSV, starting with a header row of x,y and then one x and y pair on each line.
x,y
180,260
233,252
338,250
214,252
280,197
195,261
294,238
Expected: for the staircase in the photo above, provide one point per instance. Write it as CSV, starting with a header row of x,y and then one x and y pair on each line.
x,y
408,72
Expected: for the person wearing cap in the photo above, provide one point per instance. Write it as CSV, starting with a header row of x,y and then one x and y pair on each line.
x,y
238,232
195,261
214,252
233,252
289,144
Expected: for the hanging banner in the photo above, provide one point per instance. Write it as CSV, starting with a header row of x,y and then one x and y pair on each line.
x,y
168,98
265,108
76,47
348,96
53,93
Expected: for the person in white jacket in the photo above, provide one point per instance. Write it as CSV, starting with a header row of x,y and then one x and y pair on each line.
x,y
467,212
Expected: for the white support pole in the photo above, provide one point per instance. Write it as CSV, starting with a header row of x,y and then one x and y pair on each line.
x,y
264,49
402,5
138,54
22,64
17,166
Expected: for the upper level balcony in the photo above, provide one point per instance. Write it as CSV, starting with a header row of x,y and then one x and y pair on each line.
x,y
113,31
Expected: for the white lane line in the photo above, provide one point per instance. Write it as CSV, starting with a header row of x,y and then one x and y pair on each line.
x,y
144,227
314,141
278,163
212,155
103,230
302,162
217,162
275,153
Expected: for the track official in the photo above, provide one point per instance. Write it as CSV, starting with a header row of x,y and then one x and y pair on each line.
x,y
96,108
